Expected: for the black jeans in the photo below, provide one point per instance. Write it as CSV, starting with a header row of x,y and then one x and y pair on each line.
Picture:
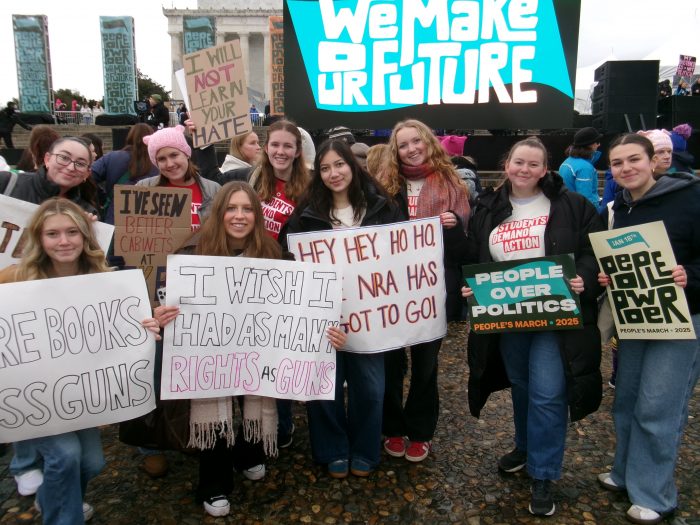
x,y
417,419
7,137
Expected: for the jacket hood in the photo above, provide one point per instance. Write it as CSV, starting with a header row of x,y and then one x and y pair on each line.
x,y
667,183
232,163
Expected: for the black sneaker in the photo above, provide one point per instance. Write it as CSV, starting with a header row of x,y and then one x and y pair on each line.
x,y
285,440
514,461
541,503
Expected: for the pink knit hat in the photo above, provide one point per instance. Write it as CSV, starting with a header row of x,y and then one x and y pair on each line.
x,y
453,144
660,138
167,137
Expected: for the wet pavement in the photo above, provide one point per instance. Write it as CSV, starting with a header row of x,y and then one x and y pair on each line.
x,y
458,483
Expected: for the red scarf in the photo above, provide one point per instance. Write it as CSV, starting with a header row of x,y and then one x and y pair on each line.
x,y
439,193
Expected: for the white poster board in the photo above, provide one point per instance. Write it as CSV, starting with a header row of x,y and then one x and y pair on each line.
x,y
249,326
73,354
15,215
646,304
393,281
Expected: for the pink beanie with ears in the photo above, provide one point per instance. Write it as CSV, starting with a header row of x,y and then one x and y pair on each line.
x,y
167,137
660,138
453,144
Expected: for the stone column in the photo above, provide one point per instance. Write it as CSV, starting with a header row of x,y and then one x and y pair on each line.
x,y
176,54
246,54
267,64
220,37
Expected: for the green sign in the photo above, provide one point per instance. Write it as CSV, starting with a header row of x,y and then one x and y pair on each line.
x,y
119,63
33,62
523,295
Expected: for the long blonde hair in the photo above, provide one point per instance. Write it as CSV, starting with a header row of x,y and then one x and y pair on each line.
x,y
437,159
237,143
212,237
36,264
264,174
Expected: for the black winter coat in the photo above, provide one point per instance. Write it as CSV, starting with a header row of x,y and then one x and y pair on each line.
x,y
572,217
36,188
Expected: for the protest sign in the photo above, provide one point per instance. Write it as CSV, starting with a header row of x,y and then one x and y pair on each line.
x,y
646,304
523,295
217,93
686,66
73,354
393,281
151,222
14,218
33,62
250,326
119,63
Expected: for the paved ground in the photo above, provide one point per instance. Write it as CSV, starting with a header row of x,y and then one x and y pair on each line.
x,y
459,483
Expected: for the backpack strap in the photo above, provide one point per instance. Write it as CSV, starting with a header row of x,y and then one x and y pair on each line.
x,y
10,178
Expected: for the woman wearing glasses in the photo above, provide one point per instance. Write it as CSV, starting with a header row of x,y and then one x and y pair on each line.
x,y
61,172
66,167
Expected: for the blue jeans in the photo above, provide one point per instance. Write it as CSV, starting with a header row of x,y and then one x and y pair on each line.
x,y
540,407
655,379
70,461
336,434
26,458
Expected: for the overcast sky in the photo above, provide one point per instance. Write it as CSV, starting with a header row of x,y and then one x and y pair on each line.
x,y
610,29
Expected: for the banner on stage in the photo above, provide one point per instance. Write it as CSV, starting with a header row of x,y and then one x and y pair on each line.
x,y
73,354
646,304
250,326
393,281
523,295
15,215
151,222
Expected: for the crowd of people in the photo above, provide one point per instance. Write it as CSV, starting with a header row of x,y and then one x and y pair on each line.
x,y
263,193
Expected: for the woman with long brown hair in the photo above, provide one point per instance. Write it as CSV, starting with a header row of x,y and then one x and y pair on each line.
x,y
234,228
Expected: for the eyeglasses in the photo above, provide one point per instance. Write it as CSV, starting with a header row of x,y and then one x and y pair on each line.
x,y
64,160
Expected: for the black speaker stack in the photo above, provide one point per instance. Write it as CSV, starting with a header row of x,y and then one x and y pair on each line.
x,y
676,110
625,88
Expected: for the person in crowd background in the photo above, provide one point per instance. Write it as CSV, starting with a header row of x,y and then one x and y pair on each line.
x,y
663,149
158,115
682,89
60,243
342,195
8,119
419,175
40,140
125,166
549,372
467,170
682,159
578,169
376,157
655,378
244,152
695,88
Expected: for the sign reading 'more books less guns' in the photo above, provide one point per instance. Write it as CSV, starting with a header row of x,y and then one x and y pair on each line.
x,y
73,354
523,295
491,63
646,303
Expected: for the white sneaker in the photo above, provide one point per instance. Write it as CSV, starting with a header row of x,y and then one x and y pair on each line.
x,y
29,482
217,505
255,473
643,515
606,481
88,510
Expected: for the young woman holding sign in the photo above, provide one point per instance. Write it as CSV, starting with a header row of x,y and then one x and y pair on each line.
x,y
421,177
343,195
61,243
547,370
655,378
170,153
235,227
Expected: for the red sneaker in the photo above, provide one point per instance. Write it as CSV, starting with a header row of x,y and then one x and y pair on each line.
x,y
417,450
395,446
